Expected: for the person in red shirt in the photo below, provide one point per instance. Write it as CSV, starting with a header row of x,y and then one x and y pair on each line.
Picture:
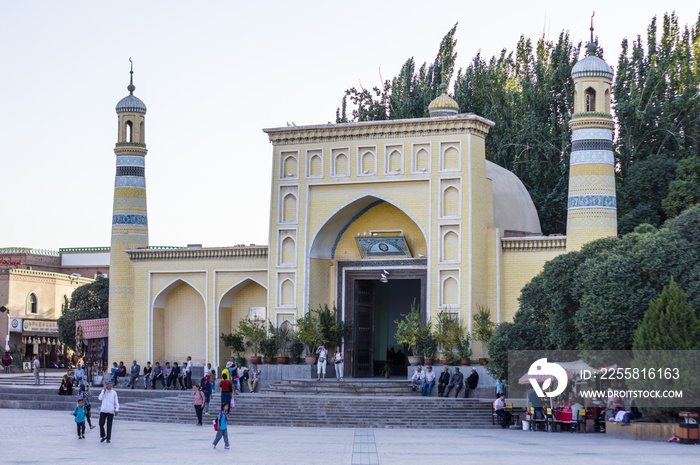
x,y
226,389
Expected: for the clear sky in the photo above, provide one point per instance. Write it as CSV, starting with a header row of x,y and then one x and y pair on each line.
x,y
213,74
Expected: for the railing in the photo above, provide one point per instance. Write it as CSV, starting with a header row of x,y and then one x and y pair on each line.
x,y
84,249
28,250
198,253
533,243
45,274
131,144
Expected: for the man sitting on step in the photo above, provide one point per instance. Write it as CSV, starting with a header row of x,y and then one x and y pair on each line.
x,y
417,378
456,381
443,381
471,382
429,381
135,371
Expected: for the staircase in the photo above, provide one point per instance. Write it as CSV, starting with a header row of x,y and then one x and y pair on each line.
x,y
378,387
323,410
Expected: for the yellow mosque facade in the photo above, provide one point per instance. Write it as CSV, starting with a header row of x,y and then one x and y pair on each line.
x,y
367,217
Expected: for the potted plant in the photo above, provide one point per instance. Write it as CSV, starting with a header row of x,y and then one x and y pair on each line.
x,y
268,348
429,348
253,331
283,336
410,331
451,359
483,330
386,370
447,332
333,330
295,350
235,341
309,333
464,349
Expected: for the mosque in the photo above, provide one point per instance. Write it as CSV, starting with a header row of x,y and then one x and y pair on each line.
x,y
365,216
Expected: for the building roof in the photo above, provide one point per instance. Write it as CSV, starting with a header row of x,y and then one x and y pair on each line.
x,y
592,66
513,208
443,105
131,104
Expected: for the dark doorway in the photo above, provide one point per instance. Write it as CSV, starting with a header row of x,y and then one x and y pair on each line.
x,y
373,307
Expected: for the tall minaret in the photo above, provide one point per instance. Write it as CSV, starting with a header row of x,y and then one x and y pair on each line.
x,y
592,206
129,221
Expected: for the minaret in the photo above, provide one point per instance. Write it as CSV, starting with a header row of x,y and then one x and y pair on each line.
x,y
129,220
592,206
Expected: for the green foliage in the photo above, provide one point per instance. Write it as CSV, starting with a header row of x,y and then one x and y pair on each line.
x,y
657,107
411,330
268,347
484,327
669,324
452,359
428,345
448,331
88,302
511,336
333,330
283,336
687,225
464,346
308,331
234,341
296,348
253,331
684,190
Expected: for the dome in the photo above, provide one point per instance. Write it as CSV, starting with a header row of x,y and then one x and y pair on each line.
x,y
513,208
443,105
591,66
131,103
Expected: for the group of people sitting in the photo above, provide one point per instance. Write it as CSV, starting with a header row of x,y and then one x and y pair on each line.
x,y
169,376
446,382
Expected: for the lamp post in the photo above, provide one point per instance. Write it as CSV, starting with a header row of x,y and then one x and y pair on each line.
x,y
7,358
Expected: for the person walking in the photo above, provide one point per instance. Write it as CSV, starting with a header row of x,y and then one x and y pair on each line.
x,y
108,409
206,390
36,364
86,396
322,360
79,414
198,403
226,390
339,365
222,430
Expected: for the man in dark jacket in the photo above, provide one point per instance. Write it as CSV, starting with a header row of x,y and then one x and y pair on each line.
x,y
443,381
471,382
455,382
135,371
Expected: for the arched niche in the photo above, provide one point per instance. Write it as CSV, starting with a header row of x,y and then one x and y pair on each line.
x,y
289,208
450,202
179,330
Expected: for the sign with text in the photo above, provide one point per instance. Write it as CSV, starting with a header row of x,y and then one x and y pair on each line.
x,y
40,326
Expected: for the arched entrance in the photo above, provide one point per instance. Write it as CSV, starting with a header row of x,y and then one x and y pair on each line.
x,y
372,286
236,303
179,324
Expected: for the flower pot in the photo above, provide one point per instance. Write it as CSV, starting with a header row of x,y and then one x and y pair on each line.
x,y
386,375
311,359
282,360
429,361
483,361
413,360
466,361
294,360
443,361
269,360
256,359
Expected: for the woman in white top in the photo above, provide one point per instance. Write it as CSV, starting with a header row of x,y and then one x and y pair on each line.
x,y
338,359
322,361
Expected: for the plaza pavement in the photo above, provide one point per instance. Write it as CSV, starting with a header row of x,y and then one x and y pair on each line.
x,y
47,437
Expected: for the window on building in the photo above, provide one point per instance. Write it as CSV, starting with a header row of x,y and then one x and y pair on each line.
x,y
129,131
32,306
590,99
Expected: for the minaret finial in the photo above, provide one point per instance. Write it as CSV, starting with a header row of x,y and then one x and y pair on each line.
x,y
592,46
131,87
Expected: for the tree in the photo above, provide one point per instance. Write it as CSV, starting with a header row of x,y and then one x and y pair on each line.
x,y
484,327
88,302
669,323
684,190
